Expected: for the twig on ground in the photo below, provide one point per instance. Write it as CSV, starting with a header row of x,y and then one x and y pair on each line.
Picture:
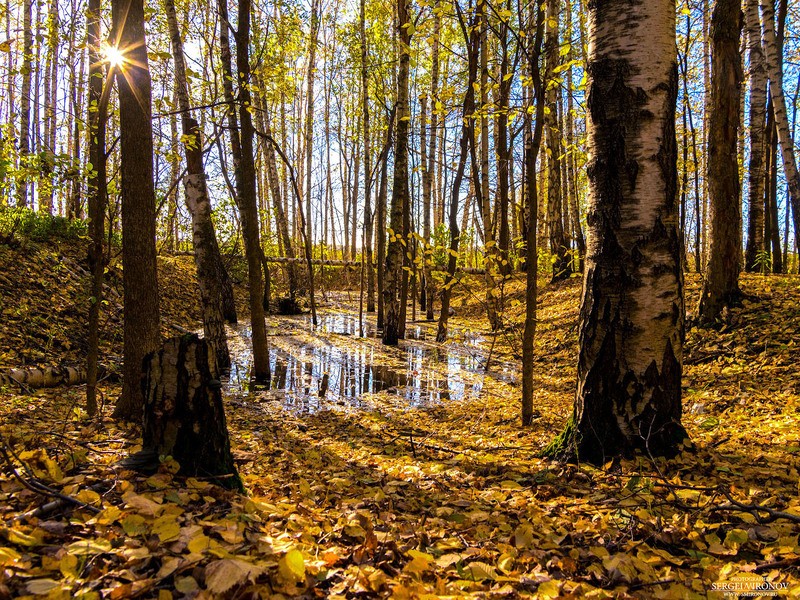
x,y
778,564
180,329
756,510
36,486
59,503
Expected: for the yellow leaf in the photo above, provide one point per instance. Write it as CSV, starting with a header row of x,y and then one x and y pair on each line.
x,y
548,589
88,547
196,484
42,587
199,544
22,539
420,563
422,555
88,496
133,525
480,571
53,470
508,484
523,535
69,566
505,563
292,566
354,530
8,556
108,516
186,585
447,560
735,538
142,505
166,528
230,531
377,580
168,566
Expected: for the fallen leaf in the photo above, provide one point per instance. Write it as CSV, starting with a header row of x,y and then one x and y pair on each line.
x,y
222,575
292,566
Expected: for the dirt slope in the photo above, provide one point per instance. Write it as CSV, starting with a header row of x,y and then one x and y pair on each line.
x,y
44,302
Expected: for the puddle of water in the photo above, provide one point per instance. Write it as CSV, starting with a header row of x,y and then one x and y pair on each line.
x,y
419,374
343,324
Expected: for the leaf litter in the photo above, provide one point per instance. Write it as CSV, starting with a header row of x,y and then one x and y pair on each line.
x,y
382,493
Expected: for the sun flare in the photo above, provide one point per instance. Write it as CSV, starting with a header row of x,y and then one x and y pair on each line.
x,y
114,56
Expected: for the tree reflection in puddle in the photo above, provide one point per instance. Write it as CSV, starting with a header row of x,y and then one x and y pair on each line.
x,y
301,355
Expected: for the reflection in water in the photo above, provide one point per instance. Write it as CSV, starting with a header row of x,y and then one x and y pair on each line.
x,y
343,324
427,374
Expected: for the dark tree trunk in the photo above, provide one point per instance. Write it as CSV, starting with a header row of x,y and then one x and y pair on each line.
x,y
472,39
228,303
380,210
533,142
503,152
141,329
228,299
248,205
183,416
562,266
721,286
368,219
25,104
393,297
427,176
772,231
97,188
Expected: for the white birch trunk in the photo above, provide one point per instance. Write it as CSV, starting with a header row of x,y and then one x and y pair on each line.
x,y
632,314
779,106
758,102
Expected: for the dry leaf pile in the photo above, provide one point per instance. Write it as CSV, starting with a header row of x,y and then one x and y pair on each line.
x,y
386,494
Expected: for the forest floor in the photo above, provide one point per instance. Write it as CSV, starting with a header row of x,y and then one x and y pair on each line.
x,y
411,477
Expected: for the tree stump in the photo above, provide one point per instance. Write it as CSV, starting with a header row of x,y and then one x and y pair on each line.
x,y
183,413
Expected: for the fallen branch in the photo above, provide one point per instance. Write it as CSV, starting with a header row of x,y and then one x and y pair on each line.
x,y
43,378
49,377
182,330
36,486
101,487
756,510
778,564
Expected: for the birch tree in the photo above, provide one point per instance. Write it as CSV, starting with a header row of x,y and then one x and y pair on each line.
x,y
758,102
632,315
204,237
779,105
